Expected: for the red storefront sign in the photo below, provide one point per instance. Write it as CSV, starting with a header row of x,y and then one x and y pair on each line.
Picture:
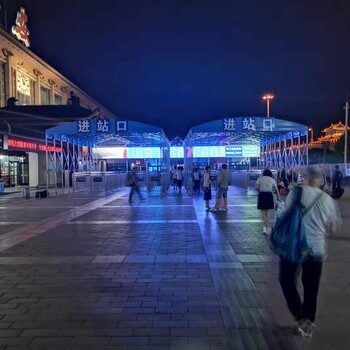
x,y
31,146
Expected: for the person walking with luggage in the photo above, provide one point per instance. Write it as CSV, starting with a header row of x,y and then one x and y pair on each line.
x,y
134,187
337,179
224,180
207,187
266,185
321,216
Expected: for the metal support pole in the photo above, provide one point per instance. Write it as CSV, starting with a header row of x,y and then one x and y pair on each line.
x,y
68,164
346,135
55,163
73,158
62,167
47,166
307,149
299,153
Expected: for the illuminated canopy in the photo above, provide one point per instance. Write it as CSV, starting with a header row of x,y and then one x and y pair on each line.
x,y
240,130
109,132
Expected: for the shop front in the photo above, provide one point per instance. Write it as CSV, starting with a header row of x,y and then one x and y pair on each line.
x,y
14,168
23,162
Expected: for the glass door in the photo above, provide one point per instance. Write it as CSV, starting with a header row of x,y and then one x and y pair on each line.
x,y
14,174
23,174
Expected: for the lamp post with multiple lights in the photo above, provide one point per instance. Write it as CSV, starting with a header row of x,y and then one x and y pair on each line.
x,y
267,98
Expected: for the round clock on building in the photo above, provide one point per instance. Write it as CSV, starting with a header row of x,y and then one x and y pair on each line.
x,y
23,84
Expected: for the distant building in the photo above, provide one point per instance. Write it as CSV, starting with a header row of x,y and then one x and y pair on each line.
x,y
331,136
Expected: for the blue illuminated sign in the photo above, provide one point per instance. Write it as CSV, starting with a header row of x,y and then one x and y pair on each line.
x,y
244,151
234,151
176,152
208,151
143,152
250,151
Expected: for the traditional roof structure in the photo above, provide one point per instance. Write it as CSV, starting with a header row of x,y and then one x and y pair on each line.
x,y
335,128
332,134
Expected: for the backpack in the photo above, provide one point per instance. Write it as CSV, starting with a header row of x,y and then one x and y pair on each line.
x,y
288,238
338,176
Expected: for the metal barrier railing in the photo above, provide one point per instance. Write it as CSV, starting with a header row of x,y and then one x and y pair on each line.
x,y
107,181
239,179
81,182
165,182
247,179
244,179
155,181
98,182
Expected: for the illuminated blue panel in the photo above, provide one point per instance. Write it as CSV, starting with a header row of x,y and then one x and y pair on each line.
x,y
176,152
143,152
234,151
209,152
250,151
109,152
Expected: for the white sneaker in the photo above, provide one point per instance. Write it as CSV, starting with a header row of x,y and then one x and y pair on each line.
x,y
213,209
306,328
265,230
224,209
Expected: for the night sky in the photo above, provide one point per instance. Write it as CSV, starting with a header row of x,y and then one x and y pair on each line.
x,y
178,63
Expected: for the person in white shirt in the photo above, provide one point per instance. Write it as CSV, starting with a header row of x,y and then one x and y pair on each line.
x,y
266,185
321,218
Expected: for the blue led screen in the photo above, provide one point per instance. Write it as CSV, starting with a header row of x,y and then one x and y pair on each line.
x,y
176,152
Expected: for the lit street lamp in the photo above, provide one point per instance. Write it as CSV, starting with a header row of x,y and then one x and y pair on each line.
x,y
312,134
267,98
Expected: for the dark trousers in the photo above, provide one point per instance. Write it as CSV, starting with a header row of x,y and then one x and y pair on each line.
x,y
179,184
311,275
196,185
336,184
134,188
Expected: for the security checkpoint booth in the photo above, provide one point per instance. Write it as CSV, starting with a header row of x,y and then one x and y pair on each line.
x,y
97,154
246,145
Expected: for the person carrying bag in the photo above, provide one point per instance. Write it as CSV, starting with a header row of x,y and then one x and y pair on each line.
x,y
299,239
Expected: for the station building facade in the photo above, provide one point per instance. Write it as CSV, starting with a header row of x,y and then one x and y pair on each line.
x,y
32,82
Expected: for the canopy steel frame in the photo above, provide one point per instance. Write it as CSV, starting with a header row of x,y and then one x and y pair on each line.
x,y
72,157
289,152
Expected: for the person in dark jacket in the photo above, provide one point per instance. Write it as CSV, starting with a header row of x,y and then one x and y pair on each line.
x,y
134,187
337,178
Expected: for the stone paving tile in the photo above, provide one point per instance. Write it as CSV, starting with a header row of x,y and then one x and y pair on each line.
x,y
181,278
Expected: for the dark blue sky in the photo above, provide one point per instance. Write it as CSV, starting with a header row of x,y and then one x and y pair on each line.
x,y
179,63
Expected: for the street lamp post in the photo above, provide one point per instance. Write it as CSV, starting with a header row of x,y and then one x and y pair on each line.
x,y
312,134
346,136
267,98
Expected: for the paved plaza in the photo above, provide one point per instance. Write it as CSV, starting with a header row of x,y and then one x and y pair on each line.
x,y
81,271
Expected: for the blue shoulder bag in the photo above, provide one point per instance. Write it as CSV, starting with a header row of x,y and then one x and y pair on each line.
x,y
288,238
